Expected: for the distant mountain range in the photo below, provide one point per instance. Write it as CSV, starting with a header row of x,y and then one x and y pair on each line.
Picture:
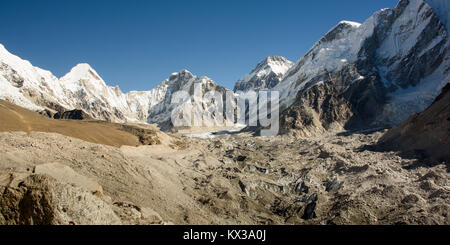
x,y
372,74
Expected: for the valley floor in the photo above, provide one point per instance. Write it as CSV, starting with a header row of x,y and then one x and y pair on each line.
x,y
240,179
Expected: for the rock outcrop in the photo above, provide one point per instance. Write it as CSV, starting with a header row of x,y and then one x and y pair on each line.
x,y
36,199
426,133
63,173
73,115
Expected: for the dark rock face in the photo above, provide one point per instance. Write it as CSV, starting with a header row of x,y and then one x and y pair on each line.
x,y
310,211
12,76
333,185
427,132
334,101
47,113
372,92
73,115
145,136
315,110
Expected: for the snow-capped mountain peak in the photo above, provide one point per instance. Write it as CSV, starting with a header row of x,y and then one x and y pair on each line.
x,y
351,23
183,74
376,74
83,76
266,75
82,71
277,64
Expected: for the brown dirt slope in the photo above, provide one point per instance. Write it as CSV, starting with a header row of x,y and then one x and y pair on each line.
x,y
15,118
427,133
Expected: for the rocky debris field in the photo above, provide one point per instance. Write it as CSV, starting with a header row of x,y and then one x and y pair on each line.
x,y
331,180
229,179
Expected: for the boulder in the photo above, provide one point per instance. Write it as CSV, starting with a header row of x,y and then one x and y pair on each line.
x,y
35,199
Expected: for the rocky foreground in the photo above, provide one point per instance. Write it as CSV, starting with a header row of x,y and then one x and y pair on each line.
x,y
47,178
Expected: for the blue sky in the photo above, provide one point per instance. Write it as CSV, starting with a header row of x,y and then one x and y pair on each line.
x,y
136,44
